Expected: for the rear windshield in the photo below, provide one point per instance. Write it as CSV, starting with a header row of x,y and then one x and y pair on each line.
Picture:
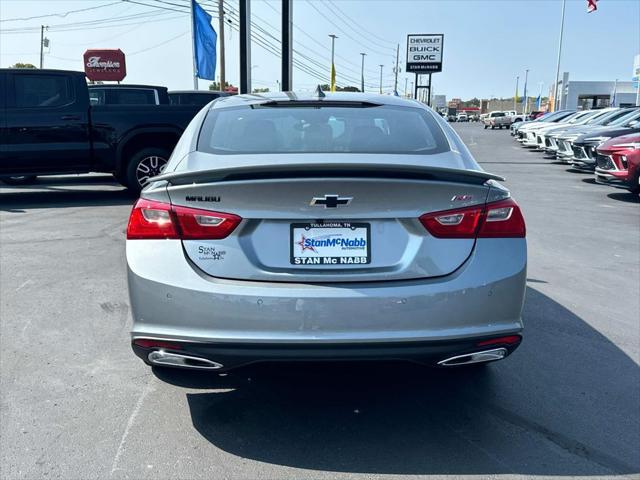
x,y
326,129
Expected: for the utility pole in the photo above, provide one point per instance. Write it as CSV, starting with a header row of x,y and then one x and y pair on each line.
x,y
287,45
395,83
245,46
405,86
332,85
556,101
42,39
381,78
223,82
412,89
515,95
362,73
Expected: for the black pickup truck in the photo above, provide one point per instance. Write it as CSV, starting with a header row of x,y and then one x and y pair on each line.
x,y
47,127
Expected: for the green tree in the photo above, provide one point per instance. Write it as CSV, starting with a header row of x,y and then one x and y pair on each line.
x,y
23,65
326,87
216,86
260,90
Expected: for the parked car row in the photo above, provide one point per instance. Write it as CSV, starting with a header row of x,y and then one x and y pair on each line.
x,y
605,141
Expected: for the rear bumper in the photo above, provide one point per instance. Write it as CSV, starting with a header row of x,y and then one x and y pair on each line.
x,y
227,357
173,300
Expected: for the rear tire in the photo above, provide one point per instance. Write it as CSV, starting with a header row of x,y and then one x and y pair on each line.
x,y
20,180
143,165
485,127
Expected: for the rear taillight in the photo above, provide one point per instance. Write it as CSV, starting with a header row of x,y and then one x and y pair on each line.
x,y
460,223
502,219
157,220
151,220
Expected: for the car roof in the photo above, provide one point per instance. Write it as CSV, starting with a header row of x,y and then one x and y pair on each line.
x,y
42,70
124,85
283,97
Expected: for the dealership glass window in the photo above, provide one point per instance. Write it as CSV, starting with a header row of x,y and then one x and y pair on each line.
x,y
42,90
321,129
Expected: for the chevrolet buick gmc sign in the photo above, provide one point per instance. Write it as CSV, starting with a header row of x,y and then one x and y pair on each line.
x,y
424,53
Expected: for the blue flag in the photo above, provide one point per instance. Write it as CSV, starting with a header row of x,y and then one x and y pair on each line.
x,y
204,43
538,102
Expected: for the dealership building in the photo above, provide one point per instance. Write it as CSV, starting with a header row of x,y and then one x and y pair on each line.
x,y
583,95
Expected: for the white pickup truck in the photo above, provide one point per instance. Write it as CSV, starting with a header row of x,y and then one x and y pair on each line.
x,y
515,116
497,119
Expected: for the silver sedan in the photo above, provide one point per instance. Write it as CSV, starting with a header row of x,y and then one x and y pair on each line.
x,y
321,227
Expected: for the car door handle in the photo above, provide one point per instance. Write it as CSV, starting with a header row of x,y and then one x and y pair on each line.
x,y
70,117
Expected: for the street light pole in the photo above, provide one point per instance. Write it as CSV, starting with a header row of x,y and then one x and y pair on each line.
x,y
556,102
332,84
405,86
381,78
362,73
526,77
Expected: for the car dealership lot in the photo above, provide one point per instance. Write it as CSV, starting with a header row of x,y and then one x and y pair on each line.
x,y
76,402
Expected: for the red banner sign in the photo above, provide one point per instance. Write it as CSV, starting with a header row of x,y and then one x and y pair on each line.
x,y
105,65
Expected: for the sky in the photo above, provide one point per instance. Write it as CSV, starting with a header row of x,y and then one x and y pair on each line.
x,y
486,43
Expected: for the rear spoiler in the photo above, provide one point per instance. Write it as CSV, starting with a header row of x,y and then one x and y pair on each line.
x,y
310,170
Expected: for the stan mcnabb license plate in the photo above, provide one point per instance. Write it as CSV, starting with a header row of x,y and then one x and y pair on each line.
x,y
330,243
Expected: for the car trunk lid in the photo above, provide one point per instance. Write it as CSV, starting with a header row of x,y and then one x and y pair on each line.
x,y
328,220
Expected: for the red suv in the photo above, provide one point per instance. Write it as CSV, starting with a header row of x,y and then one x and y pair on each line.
x,y
618,162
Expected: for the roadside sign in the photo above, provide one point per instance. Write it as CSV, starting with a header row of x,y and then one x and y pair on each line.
x,y
107,65
424,53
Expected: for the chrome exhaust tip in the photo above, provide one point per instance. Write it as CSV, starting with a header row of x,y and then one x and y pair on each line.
x,y
166,359
475,357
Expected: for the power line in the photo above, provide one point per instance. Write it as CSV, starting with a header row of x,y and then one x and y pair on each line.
x,y
347,78
62,15
88,23
356,68
266,44
155,6
265,39
340,28
345,17
157,44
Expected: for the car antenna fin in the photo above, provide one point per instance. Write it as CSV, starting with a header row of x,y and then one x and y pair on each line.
x,y
319,92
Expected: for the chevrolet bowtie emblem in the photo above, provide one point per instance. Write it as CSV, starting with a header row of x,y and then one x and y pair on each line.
x,y
330,201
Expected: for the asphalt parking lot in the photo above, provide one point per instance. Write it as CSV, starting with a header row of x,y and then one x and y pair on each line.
x,y
76,403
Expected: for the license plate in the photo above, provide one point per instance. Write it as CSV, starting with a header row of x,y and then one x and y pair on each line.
x,y
330,243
